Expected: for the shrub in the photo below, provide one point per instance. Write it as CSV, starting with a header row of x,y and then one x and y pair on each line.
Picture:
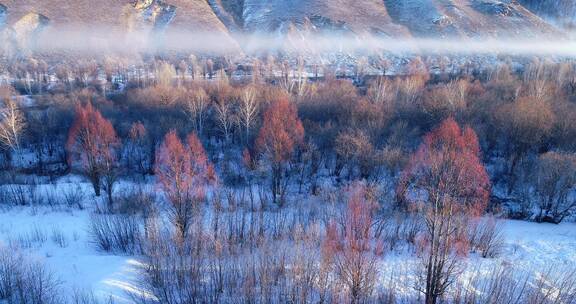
x,y
135,200
486,237
120,233
59,238
34,237
73,196
26,282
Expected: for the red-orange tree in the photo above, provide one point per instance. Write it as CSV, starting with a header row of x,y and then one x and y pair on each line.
x,y
183,173
281,133
92,142
353,248
446,181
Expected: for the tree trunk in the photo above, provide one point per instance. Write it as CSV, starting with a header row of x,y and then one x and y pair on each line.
x,y
95,180
110,199
511,173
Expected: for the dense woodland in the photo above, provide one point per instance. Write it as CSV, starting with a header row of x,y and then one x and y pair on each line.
x,y
280,183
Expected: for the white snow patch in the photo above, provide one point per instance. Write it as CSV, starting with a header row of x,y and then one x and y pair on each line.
x,y
78,264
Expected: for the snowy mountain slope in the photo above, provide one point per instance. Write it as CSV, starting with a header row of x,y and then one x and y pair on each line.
x,y
562,12
419,18
424,18
354,16
295,19
466,18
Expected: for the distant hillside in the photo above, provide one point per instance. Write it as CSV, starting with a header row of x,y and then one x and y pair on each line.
x,y
191,13
467,18
418,18
387,18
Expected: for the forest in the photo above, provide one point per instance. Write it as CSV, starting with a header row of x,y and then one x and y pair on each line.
x,y
283,182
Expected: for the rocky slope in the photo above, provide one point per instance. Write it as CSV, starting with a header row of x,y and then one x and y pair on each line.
x,y
189,14
26,29
154,15
119,15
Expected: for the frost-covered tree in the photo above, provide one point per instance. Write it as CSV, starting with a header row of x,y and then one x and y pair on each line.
x,y
196,105
165,74
248,110
12,122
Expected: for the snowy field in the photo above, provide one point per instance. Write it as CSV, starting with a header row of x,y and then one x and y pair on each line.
x,y
74,260
60,238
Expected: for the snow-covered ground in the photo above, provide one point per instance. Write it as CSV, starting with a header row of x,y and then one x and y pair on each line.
x,y
529,249
531,245
75,260
61,239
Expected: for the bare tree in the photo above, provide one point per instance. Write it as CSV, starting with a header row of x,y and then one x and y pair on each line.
x,y
383,64
165,73
381,91
355,150
527,124
537,80
552,185
301,81
257,71
224,117
352,248
360,68
457,92
446,99
86,71
196,105
137,157
12,123
182,71
286,83
410,89
208,66
248,110
193,64
62,72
